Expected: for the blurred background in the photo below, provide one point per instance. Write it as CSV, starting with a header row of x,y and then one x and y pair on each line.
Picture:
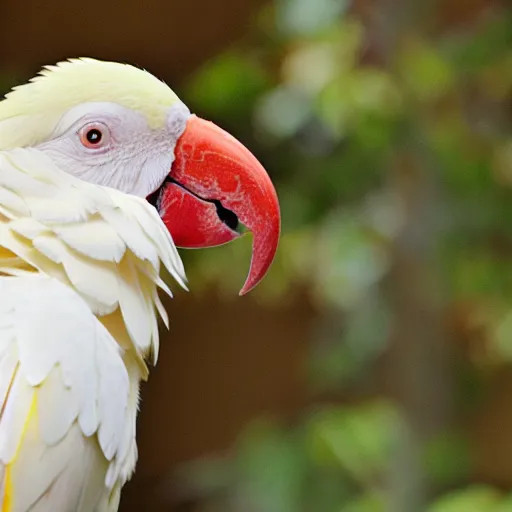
x,y
371,371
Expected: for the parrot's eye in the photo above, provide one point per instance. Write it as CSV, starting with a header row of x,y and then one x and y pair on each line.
x,y
94,135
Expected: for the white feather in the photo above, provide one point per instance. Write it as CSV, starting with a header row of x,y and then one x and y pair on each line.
x,y
95,239
12,202
77,318
27,227
16,406
78,370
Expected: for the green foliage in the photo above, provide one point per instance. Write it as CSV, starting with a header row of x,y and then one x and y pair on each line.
x,y
228,86
474,499
317,467
274,487
364,333
446,458
359,439
425,72
303,17
335,126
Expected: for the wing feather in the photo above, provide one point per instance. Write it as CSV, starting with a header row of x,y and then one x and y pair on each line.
x,y
131,302
106,245
95,239
60,370
79,272
15,414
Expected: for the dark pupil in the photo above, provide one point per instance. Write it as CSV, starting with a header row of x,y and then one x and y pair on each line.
x,y
94,136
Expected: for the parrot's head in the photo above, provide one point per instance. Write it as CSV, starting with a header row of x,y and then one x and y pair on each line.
x,y
116,125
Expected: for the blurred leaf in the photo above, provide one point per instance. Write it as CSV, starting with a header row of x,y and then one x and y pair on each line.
x,y
477,498
447,458
359,439
346,356
357,96
227,85
505,505
478,273
326,490
474,50
283,111
368,329
322,61
427,74
327,58
370,502
271,468
350,260
496,77
501,339
306,17
502,162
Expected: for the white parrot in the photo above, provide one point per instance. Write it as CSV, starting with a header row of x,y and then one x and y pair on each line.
x,y
103,172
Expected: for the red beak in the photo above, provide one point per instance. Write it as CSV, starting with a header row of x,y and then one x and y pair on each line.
x,y
216,183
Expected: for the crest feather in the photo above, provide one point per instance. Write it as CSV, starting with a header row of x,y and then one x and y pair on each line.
x,y
59,87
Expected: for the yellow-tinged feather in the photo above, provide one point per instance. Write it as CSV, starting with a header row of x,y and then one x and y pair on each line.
x,y
115,325
9,484
7,504
40,103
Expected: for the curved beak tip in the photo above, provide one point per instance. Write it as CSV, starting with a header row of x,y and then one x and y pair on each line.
x,y
264,248
212,168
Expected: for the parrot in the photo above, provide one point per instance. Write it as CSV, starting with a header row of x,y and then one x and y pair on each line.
x,y
104,174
